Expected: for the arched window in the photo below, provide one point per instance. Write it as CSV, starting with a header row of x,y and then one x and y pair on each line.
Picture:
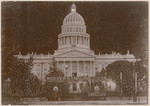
x,y
62,42
70,39
73,18
73,29
87,41
82,39
79,29
67,29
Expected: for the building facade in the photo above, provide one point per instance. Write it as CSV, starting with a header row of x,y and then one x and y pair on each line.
x,y
74,56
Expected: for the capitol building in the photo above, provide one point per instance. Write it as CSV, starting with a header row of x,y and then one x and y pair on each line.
x,y
74,56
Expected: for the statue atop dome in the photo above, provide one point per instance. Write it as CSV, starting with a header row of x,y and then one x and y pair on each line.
x,y
73,8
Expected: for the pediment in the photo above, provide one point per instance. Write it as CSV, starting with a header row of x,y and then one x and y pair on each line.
x,y
74,53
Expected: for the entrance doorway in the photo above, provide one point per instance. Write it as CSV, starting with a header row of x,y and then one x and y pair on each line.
x,y
74,86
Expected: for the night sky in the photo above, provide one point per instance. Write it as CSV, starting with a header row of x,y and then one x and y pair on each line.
x,y
113,26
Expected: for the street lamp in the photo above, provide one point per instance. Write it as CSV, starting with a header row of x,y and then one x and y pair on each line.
x,y
55,89
135,84
145,76
66,72
41,80
121,86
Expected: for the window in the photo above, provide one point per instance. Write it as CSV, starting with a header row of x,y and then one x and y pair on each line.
x,y
67,29
77,40
81,86
74,86
65,40
70,29
74,74
70,40
62,41
82,39
79,29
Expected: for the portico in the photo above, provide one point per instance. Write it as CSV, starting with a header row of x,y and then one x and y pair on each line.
x,y
77,68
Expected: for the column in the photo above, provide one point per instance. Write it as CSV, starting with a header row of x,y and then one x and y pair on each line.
x,y
76,39
71,68
78,72
67,41
84,68
91,69
64,40
64,68
57,64
87,41
71,40
83,40
61,41
94,66
79,39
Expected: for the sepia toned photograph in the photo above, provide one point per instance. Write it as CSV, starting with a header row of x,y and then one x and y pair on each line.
x,y
74,53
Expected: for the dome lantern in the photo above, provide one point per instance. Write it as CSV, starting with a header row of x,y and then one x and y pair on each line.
x,y
73,8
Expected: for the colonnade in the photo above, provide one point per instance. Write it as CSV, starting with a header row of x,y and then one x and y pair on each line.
x,y
67,40
81,68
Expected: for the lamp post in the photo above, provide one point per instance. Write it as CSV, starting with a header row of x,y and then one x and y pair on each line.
x,y
135,84
41,80
121,85
145,76
55,89
66,72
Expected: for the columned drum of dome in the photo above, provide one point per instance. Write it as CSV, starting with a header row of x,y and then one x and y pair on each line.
x,y
73,32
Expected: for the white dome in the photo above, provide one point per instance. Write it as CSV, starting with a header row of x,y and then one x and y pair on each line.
x,y
73,17
73,32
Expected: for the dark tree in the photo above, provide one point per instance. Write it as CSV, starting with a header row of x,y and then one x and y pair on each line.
x,y
22,81
63,86
122,72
